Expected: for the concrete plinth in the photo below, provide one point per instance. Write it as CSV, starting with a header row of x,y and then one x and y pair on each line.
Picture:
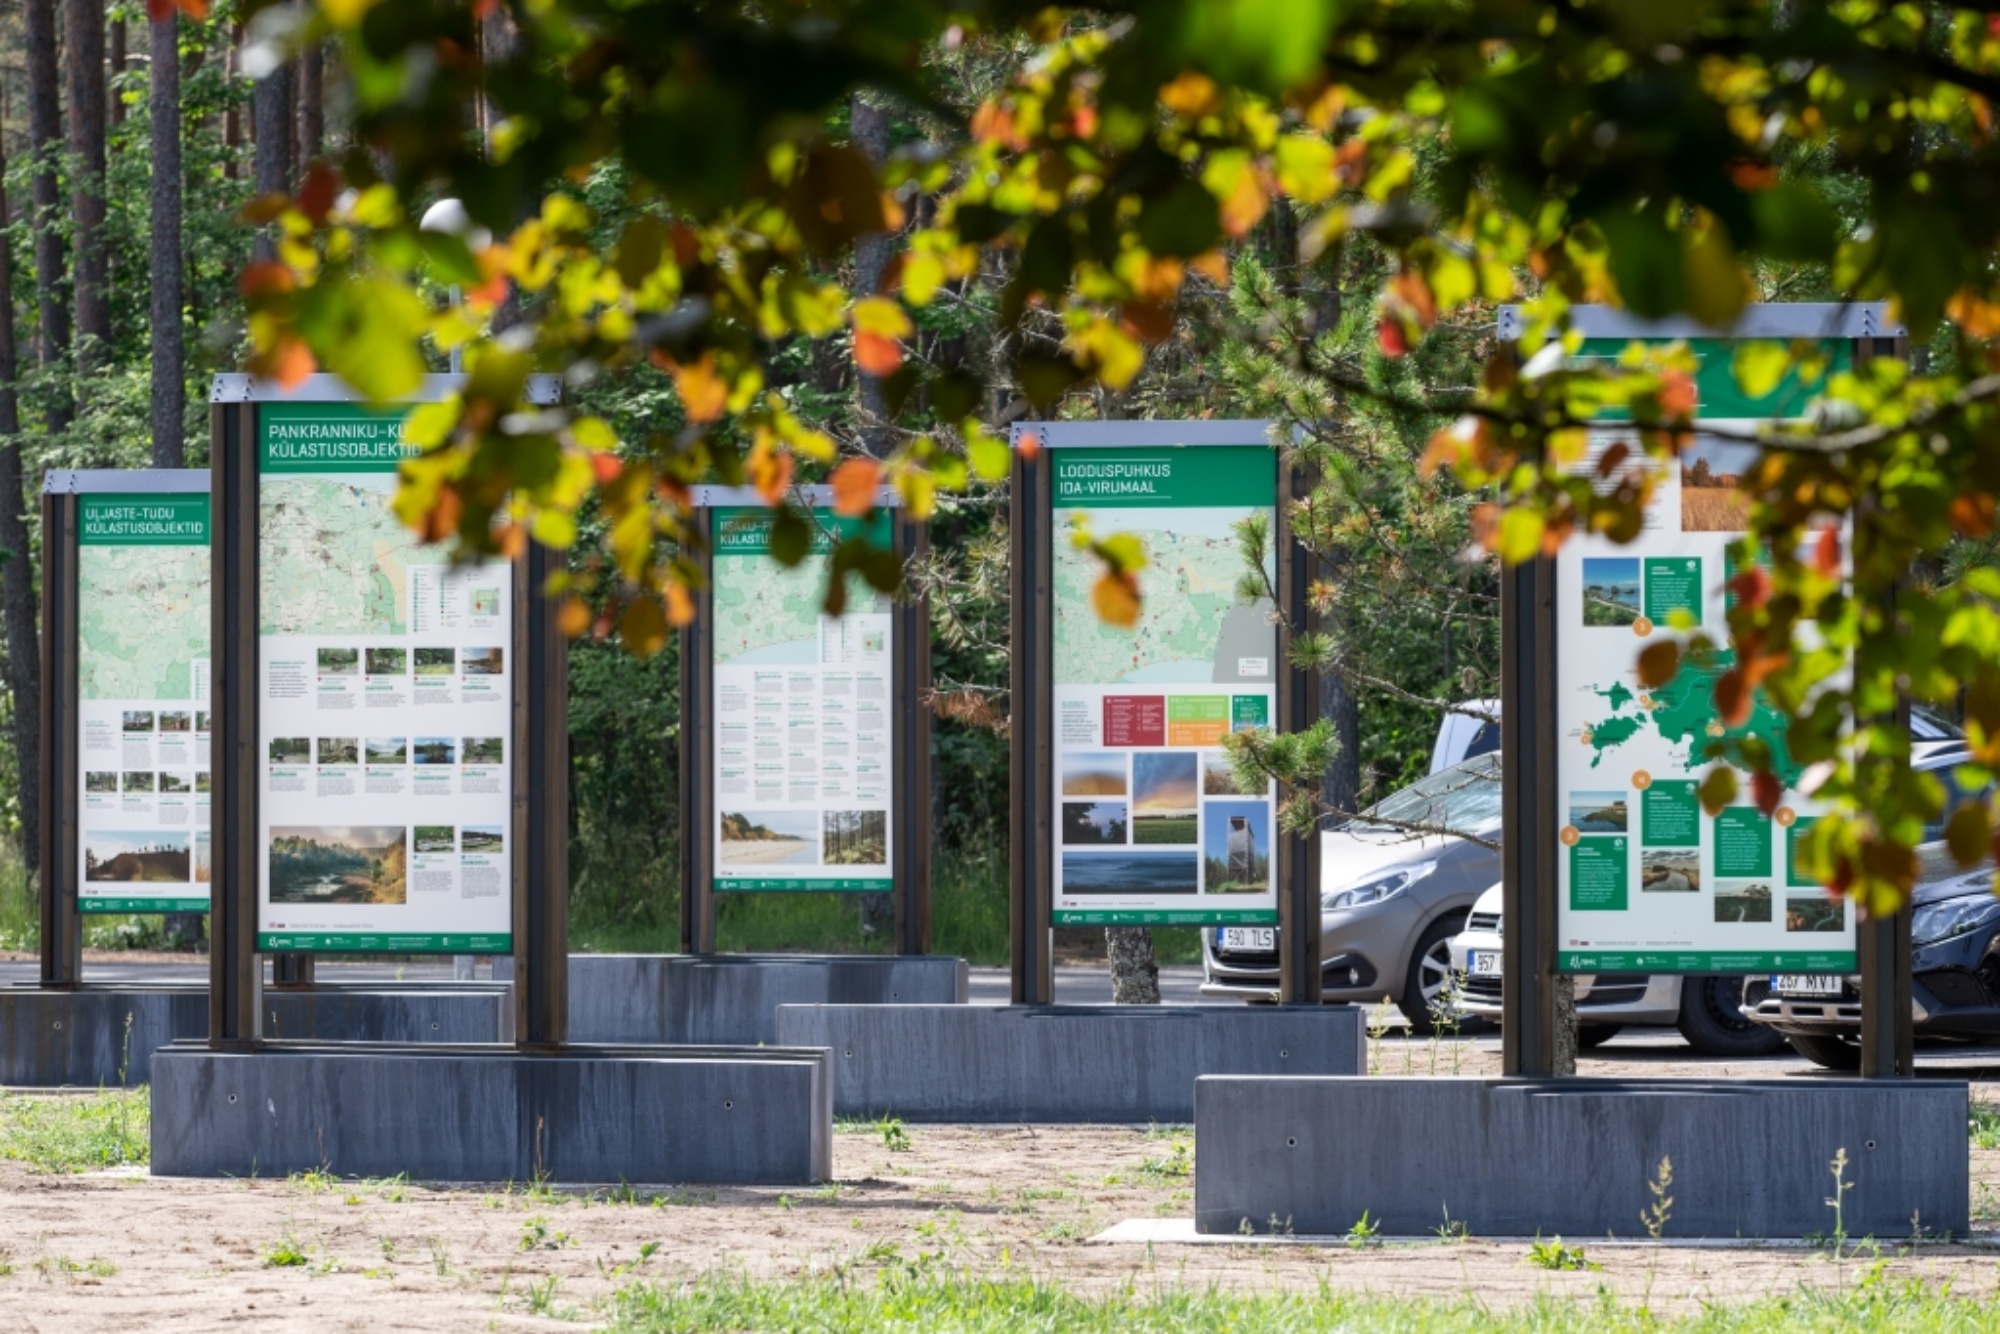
x,y
583,1116
1117,1064
106,1035
735,997
1751,1158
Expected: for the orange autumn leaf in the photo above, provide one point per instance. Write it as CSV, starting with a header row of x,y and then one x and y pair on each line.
x,y
607,468
770,470
1677,393
291,361
265,278
441,519
854,486
878,324
1972,515
1826,551
1732,698
159,11
1767,791
1246,205
1029,444
876,355
703,393
573,617
1115,597
316,196
680,606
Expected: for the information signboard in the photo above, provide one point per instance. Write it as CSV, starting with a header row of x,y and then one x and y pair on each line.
x,y
804,728
385,704
142,710
1151,825
1648,880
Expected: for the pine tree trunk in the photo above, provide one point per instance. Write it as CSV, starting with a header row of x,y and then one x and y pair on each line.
x,y
163,100
45,141
312,105
271,150
17,575
1135,969
163,106
232,117
83,67
871,258
114,102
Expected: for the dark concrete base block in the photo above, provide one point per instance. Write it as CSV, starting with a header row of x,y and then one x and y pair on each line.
x,y
1751,1158
1110,1064
106,1035
451,1012
582,1116
735,997
92,1036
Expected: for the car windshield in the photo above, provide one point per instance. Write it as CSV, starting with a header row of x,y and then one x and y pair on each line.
x,y
1930,725
1463,797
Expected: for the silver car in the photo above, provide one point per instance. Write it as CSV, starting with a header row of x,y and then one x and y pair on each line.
x,y
1396,884
1706,1010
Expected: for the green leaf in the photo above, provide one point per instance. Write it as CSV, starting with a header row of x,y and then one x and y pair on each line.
x,y
1760,367
1184,222
791,537
1270,45
1520,535
1718,789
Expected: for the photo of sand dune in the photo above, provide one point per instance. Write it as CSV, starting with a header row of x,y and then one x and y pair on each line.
x,y
770,838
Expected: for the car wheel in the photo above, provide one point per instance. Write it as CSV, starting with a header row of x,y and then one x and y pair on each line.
x,y
1596,1035
1826,1050
1426,985
1712,1020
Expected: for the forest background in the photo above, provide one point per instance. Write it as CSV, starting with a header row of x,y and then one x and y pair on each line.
x,y
130,150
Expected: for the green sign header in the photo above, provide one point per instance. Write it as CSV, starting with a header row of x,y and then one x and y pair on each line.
x,y
1176,476
330,437
1717,394
174,519
746,530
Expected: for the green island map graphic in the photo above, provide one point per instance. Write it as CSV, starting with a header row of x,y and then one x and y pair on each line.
x,y
1683,713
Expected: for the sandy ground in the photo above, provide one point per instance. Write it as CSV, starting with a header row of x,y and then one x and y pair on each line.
x,y
122,1251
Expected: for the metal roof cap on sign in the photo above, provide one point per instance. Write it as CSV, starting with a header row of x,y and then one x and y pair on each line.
x,y
123,481
716,497
1144,434
543,390
1774,319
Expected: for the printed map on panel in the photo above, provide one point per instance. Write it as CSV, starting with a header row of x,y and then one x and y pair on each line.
x,y
142,621
1682,712
1188,595
335,560
765,613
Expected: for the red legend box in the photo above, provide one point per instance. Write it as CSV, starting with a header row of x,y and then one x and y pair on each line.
x,y
1135,720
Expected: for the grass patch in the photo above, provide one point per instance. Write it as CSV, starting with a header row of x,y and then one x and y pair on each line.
x,y
1985,1127
77,1132
907,1296
968,919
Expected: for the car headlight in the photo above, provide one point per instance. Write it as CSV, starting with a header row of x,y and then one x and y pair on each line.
x,y
1953,918
1385,886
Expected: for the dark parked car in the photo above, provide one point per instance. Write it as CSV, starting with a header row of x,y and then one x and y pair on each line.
x,y
1955,958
